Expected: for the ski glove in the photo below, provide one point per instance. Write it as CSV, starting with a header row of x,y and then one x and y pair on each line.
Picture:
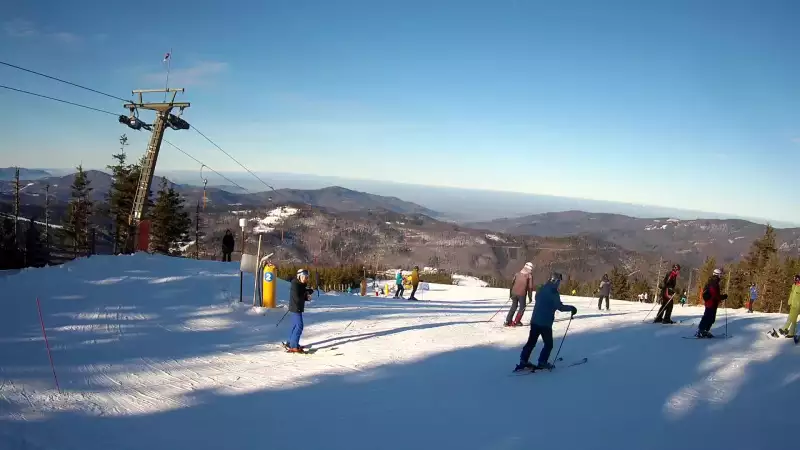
x,y
574,311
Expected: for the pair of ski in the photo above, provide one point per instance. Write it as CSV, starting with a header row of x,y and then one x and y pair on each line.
x,y
775,335
307,349
530,371
716,336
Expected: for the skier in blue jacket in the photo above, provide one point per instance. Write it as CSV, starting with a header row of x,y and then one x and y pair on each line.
x,y
398,281
547,301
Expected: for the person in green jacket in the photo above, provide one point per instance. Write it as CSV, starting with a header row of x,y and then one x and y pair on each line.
x,y
790,328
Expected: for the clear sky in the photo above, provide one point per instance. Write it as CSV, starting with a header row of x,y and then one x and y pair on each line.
x,y
683,103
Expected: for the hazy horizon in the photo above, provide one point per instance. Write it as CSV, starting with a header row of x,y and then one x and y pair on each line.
x,y
458,204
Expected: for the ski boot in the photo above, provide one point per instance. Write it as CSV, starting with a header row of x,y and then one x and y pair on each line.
x,y
545,366
518,320
658,320
667,321
524,366
703,334
508,324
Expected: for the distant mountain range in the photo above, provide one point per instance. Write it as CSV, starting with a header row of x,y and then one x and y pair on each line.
x,y
686,241
8,173
334,198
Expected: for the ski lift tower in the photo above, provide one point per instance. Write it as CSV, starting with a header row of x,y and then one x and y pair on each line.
x,y
164,118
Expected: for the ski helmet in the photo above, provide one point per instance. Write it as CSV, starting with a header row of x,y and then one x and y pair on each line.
x,y
717,272
555,277
676,267
302,272
797,278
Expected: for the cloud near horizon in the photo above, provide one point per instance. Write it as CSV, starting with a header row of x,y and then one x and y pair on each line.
x,y
201,73
25,29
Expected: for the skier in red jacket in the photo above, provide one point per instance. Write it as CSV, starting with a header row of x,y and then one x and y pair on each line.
x,y
712,297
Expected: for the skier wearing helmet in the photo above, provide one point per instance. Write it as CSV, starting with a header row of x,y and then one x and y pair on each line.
x,y
548,300
712,297
521,287
790,328
667,295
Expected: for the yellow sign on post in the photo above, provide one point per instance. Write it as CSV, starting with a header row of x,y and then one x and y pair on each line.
x,y
269,287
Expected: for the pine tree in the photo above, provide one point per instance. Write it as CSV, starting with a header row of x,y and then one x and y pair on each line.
x,y
619,284
79,212
170,219
776,286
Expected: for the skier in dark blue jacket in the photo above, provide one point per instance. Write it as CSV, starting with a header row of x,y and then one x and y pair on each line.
x,y
547,301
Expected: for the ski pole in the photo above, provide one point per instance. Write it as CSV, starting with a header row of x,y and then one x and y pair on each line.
x,y
562,340
726,318
284,315
501,308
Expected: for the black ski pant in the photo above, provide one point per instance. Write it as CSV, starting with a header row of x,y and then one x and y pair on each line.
x,y
600,301
413,290
665,311
547,337
517,301
226,256
709,317
399,292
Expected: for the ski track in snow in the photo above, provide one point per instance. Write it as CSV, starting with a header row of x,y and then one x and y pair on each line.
x,y
151,351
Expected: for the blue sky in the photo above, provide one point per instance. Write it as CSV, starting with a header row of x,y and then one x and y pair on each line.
x,y
691,104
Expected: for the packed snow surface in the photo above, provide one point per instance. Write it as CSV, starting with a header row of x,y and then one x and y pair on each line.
x,y
156,353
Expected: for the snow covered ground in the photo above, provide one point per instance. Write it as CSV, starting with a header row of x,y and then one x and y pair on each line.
x,y
154,353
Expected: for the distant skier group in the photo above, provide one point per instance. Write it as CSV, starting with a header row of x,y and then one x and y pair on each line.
x,y
548,300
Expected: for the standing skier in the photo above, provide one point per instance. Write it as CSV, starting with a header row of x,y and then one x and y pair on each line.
x,y
667,294
398,281
712,297
683,299
521,288
605,292
298,295
548,300
414,282
790,328
753,296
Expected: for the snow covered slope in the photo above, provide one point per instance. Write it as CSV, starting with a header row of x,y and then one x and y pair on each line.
x,y
151,354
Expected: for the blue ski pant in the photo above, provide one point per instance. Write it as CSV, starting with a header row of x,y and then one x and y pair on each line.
x,y
399,292
297,330
547,337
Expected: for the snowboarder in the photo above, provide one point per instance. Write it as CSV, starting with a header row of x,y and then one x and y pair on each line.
x,y
753,296
414,282
521,288
790,328
298,296
712,298
667,294
398,280
605,292
548,300
227,246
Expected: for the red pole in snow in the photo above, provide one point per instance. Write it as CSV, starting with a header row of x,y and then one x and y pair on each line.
x,y
46,343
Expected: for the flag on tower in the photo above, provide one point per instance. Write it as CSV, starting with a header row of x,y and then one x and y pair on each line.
x,y
166,57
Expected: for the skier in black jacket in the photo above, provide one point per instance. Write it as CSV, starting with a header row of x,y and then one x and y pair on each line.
x,y
227,246
299,294
667,296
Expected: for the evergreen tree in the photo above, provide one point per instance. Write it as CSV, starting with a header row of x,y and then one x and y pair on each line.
x,y
79,212
33,245
619,284
568,286
170,219
638,286
776,286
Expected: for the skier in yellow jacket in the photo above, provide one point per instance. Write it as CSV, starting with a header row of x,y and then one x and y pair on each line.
x,y
790,328
414,282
